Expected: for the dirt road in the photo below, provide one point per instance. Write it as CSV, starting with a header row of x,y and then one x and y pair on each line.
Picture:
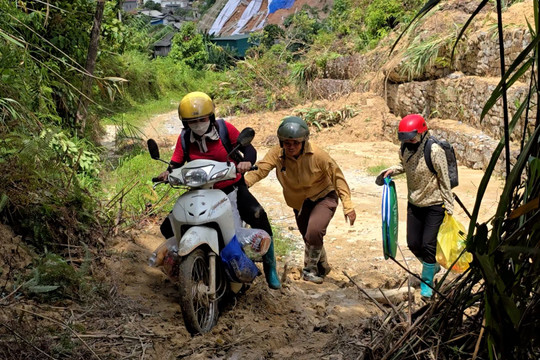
x,y
302,320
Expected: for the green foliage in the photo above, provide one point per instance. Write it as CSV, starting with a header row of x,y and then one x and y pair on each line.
x,y
255,84
129,186
76,154
52,278
302,27
51,177
497,300
366,22
151,5
188,47
221,57
321,117
424,53
383,15
271,34
376,169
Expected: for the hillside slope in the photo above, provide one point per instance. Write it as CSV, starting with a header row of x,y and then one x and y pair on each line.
x,y
229,17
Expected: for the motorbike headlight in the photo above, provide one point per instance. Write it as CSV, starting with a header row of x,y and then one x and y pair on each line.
x,y
196,177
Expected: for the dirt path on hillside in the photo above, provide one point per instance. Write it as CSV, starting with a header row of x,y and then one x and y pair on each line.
x,y
301,319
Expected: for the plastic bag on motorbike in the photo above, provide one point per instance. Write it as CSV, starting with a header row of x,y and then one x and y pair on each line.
x,y
253,240
238,265
156,259
450,244
166,257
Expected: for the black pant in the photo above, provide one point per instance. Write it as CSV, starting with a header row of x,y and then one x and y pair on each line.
x,y
422,227
249,208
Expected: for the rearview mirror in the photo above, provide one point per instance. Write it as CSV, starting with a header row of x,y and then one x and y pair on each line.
x,y
246,136
153,149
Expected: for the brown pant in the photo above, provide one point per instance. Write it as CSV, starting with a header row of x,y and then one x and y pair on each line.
x,y
314,217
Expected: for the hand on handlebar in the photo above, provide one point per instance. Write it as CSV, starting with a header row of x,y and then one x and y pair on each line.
x,y
161,177
243,166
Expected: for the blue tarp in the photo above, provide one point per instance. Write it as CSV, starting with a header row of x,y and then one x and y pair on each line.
x,y
275,5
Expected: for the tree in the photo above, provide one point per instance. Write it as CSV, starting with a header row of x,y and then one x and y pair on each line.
x,y
188,47
150,5
90,66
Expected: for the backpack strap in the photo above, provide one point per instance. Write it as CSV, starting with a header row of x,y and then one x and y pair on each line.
x,y
184,139
427,153
223,136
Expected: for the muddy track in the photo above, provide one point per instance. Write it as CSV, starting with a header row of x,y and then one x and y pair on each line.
x,y
302,320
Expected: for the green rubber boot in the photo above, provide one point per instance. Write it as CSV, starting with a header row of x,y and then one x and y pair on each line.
x,y
428,273
269,267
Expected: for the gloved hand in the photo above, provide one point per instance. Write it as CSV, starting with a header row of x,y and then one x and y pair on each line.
x,y
379,180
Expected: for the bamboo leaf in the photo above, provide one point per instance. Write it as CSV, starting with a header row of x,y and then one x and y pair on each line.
x,y
10,38
489,171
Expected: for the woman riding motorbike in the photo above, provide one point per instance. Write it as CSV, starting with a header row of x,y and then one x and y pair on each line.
x,y
204,137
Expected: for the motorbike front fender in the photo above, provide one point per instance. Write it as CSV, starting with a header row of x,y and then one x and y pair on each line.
x,y
196,236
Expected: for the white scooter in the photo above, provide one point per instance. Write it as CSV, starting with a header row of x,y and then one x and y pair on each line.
x,y
203,224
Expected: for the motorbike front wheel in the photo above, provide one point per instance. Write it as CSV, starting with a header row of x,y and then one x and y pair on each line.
x,y
199,311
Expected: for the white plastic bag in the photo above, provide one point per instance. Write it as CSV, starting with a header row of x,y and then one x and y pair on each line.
x,y
258,240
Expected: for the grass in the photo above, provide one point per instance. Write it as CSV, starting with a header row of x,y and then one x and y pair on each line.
x,y
282,246
139,114
129,186
376,169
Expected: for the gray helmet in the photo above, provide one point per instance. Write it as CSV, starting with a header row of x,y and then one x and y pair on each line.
x,y
294,128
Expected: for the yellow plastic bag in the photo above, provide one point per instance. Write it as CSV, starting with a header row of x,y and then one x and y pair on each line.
x,y
450,244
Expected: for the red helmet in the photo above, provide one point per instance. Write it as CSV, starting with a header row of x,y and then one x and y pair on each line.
x,y
411,125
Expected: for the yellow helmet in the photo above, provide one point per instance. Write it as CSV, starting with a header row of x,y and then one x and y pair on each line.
x,y
195,105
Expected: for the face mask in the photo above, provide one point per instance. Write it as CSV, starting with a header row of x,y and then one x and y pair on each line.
x,y
412,146
199,128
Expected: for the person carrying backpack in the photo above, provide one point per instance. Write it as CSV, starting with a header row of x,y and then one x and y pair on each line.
x,y
205,137
312,185
429,192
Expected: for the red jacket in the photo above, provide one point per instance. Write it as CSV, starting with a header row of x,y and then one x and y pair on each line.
x,y
216,151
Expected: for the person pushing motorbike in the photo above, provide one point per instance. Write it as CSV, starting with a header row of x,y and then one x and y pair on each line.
x,y
205,137
312,183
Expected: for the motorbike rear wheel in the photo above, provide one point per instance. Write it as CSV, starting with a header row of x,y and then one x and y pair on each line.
x,y
199,311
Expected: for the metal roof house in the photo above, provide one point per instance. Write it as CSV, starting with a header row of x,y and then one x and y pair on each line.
x,y
163,46
129,5
238,43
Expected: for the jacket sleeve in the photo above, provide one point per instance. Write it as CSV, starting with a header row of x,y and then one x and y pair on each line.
x,y
438,158
340,184
265,165
397,169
